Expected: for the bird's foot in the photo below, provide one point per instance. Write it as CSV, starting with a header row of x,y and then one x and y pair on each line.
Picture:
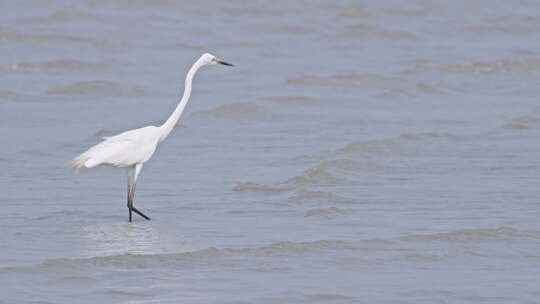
x,y
139,213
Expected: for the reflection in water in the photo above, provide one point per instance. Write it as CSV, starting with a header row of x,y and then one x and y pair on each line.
x,y
118,238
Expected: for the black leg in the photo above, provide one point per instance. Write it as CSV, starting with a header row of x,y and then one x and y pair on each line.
x,y
132,180
131,190
140,213
129,204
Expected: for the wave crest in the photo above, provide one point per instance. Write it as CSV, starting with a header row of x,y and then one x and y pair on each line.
x,y
475,234
190,258
304,196
345,80
493,66
236,111
49,66
96,87
390,145
524,122
254,187
326,211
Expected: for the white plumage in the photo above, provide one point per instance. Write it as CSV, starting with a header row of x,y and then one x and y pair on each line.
x,y
131,149
123,150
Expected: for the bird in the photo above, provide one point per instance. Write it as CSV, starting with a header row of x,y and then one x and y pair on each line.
x,y
131,149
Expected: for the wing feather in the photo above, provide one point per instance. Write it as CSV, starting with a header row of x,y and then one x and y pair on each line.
x,y
123,150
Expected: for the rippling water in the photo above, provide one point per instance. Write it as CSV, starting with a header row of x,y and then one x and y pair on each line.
x,y
374,151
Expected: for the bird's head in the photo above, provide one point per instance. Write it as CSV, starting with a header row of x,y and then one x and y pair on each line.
x,y
207,59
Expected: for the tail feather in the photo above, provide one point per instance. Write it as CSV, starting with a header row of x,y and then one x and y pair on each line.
x,y
77,162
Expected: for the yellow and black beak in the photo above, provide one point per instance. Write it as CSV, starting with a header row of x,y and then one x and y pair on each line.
x,y
218,61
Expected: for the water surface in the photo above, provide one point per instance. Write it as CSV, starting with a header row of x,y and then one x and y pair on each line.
x,y
374,151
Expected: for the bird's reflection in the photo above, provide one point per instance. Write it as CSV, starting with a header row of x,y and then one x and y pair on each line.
x,y
120,238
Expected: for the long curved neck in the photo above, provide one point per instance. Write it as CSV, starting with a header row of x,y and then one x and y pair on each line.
x,y
169,124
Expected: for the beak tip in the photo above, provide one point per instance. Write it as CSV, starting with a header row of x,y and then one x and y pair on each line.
x,y
224,63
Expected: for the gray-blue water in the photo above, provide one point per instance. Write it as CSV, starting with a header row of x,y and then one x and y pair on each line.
x,y
359,152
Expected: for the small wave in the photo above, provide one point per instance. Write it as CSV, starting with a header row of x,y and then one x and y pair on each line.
x,y
503,26
60,214
96,87
129,260
326,211
367,31
501,65
71,15
328,297
475,235
426,135
389,145
283,248
294,99
312,176
49,66
254,187
345,80
236,111
187,46
348,160
36,152
64,16
128,292
309,196
7,95
14,36
398,11
190,258
326,172
292,29
355,11
369,147
428,88
102,132
524,122
337,164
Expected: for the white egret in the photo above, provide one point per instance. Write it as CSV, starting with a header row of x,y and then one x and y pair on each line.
x,y
131,149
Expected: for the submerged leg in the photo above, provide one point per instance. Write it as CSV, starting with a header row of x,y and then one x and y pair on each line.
x,y
133,173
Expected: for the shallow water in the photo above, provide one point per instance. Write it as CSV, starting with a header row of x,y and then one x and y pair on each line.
x,y
358,152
